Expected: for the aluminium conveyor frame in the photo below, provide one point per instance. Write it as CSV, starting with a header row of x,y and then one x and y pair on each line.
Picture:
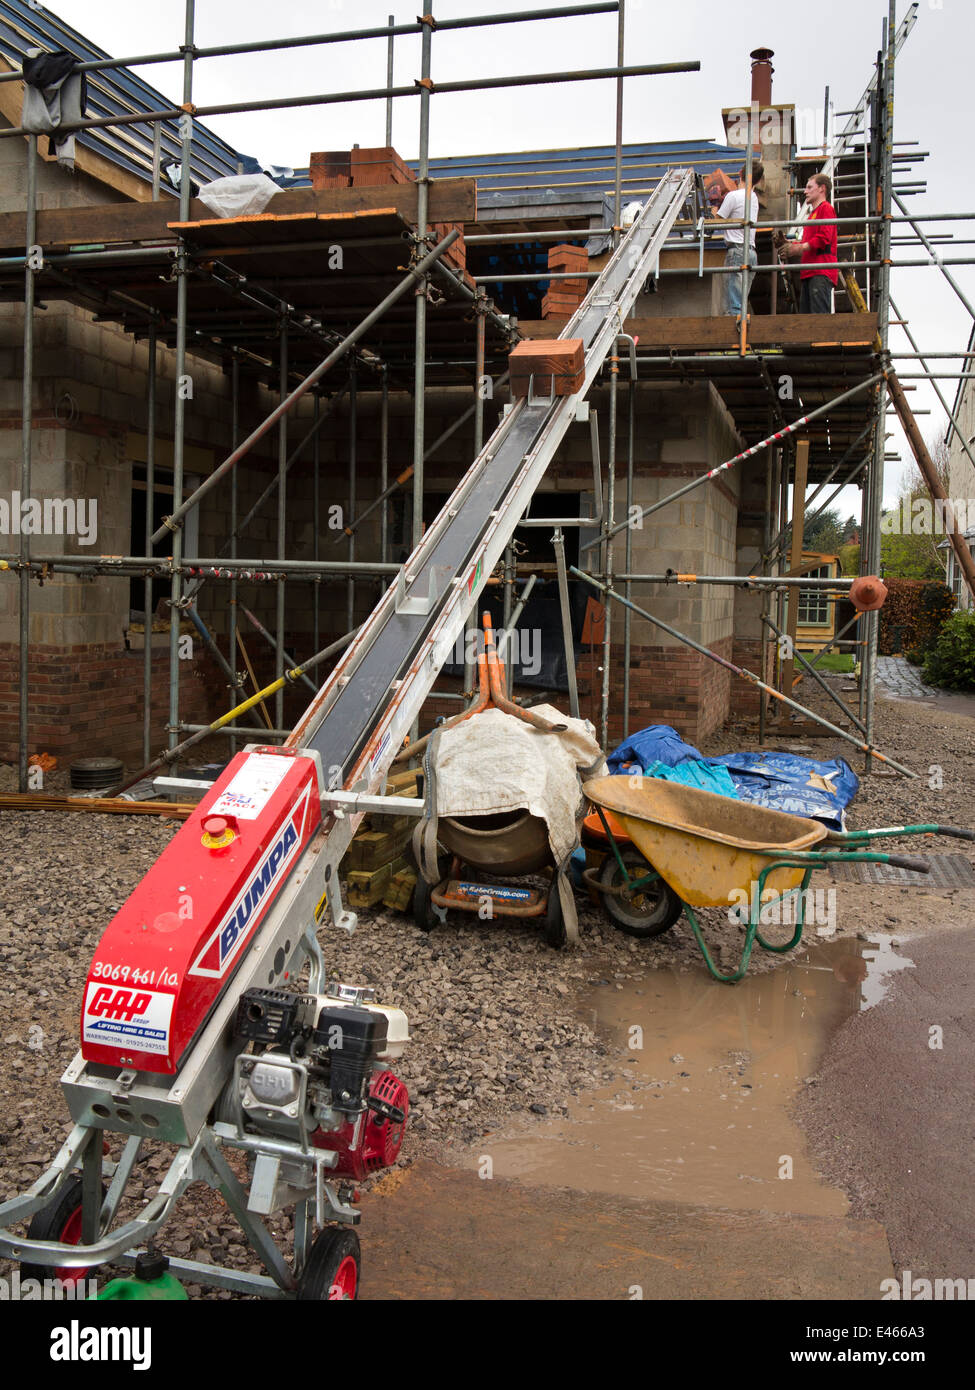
x,y
367,706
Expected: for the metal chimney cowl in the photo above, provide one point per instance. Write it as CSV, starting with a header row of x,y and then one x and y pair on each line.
x,y
762,75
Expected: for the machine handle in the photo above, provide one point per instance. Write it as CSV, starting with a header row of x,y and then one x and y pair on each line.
x,y
917,866
956,832
385,1110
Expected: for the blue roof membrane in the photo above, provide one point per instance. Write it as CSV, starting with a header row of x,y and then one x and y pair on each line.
x,y
583,174
114,92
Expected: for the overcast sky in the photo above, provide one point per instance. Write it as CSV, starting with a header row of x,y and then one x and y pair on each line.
x,y
834,45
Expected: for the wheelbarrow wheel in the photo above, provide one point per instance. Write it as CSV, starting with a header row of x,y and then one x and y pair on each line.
x,y
423,913
554,919
60,1220
332,1271
649,912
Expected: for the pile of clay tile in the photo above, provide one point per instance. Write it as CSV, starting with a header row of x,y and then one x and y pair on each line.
x,y
369,167
564,296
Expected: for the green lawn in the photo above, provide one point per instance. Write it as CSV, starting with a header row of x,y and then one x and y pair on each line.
x,y
832,661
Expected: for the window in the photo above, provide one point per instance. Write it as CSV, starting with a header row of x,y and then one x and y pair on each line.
x,y
955,578
815,608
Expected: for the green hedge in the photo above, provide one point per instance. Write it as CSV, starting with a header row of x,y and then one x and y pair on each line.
x,y
912,616
951,661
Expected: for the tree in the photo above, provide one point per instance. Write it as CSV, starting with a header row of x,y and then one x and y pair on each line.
x,y
823,533
904,555
850,559
911,533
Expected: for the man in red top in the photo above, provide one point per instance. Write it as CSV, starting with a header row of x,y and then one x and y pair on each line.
x,y
817,249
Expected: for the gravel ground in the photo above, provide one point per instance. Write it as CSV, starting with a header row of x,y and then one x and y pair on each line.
x,y
493,1010
935,742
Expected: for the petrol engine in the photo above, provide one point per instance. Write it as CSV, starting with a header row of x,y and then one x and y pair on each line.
x,y
317,1074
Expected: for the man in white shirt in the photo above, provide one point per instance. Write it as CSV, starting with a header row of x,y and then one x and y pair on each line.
x,y
733,207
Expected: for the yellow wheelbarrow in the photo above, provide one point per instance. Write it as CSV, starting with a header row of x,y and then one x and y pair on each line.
x,y
690,848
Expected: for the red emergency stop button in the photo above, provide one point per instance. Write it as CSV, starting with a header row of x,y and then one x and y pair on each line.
x,y
217,832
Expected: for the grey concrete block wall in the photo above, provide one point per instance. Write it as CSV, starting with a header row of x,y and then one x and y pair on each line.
x,y
95,375
89,477
679,428
56,187
961,472
690,295
750,540
685,429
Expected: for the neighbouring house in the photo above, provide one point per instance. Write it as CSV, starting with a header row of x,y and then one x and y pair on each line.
x,y
961,475
816,620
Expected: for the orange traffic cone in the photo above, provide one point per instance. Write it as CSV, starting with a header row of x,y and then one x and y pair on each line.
x,y
868,593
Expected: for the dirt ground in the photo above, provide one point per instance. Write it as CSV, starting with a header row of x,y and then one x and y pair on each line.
x,y
507,1044
891,1117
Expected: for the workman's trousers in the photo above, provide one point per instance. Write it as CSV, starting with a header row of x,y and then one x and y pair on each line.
x,y
816,295
732,283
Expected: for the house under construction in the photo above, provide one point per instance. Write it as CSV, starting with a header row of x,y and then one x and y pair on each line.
x,y
187,515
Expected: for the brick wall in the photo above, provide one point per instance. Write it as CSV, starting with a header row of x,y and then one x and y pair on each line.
x,y
86,701
678,686
747,652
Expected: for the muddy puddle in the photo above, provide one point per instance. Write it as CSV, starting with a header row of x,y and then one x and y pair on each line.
x,y
699,1112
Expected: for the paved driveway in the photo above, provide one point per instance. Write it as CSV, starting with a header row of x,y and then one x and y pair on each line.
x,y
900,678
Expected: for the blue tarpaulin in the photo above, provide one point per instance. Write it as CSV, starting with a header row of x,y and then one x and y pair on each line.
x,y
801,786
782,781
656,743
696,772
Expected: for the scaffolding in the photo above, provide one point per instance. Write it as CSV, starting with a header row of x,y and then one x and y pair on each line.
x,y
253,326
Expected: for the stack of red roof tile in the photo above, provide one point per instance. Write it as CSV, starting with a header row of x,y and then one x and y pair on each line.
x,y
330,169
564,296
547,366
372,167
380,164
456,253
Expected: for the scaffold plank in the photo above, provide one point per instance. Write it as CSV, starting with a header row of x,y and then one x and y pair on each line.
x,y
451,200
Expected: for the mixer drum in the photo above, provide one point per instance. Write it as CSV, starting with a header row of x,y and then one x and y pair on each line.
x,y
508,843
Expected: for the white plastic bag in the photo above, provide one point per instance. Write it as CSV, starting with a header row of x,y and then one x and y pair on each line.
x,y
241,195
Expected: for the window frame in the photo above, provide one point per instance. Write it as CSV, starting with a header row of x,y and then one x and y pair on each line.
x,y
815,600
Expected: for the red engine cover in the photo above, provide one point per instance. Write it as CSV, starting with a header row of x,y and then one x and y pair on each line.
x,y
379,1141
172,949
